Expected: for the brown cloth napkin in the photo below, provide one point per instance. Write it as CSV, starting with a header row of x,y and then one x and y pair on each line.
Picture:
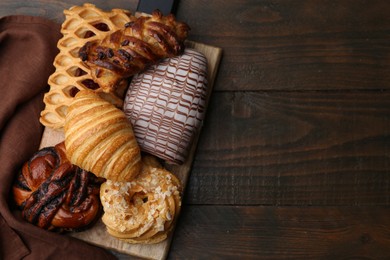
x,y
28,46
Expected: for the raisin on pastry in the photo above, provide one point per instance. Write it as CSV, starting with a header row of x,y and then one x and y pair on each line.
x,y
126,52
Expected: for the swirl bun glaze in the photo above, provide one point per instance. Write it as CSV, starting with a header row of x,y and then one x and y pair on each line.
x,y
54,194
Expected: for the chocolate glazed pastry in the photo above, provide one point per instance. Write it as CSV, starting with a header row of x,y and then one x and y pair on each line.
x,y
56,195
144,41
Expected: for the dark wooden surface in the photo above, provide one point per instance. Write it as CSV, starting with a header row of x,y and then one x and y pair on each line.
x,y
294,157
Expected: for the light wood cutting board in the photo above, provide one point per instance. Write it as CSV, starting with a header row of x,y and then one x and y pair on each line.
x,y
97,235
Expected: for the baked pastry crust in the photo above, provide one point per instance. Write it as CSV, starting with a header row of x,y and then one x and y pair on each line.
x,y
82,24
100,139
142,42
144,210
54,194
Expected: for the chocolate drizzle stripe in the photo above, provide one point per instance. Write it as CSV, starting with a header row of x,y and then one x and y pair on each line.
x,y
166,105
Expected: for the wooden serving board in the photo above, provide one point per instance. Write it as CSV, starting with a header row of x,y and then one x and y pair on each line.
x,y
97,235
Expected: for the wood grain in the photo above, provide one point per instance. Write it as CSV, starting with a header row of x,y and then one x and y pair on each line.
x,y
306,148
282,233
276,45
97,235
295,45
293,159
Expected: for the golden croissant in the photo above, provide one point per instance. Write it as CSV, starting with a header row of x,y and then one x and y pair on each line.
x,y
100,139
144,41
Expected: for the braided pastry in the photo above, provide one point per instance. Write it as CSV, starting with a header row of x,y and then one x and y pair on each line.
x,y
100,139
142,42
54,194
144,210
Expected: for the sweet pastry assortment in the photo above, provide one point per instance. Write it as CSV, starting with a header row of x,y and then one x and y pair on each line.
x,y
115,133
82,24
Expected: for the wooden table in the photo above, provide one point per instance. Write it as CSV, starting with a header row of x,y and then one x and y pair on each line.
x,y
294,157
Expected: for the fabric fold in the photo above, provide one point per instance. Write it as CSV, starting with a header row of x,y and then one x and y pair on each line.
x,y
28,46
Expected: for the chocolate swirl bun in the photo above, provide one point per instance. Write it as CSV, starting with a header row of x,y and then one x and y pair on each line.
x,y
54,194
144,41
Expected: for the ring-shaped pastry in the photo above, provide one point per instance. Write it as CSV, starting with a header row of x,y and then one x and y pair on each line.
x,y
143,210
